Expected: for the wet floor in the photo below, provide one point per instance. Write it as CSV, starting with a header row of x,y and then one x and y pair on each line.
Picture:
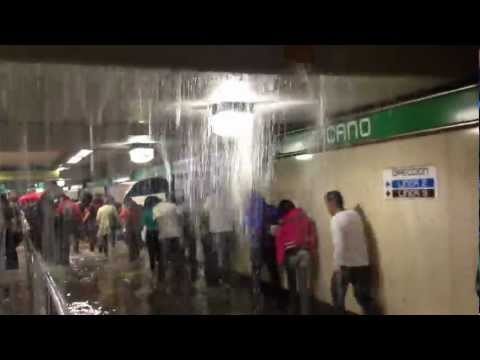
x,y
15,297
95,284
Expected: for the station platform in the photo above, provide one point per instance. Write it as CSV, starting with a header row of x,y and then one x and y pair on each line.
x,y
96,285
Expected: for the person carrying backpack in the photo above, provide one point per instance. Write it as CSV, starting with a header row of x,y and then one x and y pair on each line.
x,y
296,243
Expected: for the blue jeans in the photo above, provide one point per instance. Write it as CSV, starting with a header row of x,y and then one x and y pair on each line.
x,y
297,264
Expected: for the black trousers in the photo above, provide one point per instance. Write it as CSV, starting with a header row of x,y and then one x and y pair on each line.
x,y
92,238
360,278
35,235
133,242
218,248
11,250
153,247
64,247
161,251
260,257
191,244
103,246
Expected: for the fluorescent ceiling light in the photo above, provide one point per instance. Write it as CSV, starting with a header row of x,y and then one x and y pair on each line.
x,y
140,139
304,157
232,104
141,155
121,180
62,168
297,146
79,156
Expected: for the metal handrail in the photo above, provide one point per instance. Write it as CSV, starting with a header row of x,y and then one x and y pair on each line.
x,y
58,300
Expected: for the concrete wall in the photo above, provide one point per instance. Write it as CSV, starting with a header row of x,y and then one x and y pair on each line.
x,y
426,249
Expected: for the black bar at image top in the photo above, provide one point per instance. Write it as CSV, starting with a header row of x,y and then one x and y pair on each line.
x,y
414,193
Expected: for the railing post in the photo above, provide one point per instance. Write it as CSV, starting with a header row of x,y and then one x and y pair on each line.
x,y
54,301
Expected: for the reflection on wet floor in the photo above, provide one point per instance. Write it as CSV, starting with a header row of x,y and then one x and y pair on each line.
x,y
96,285
93,284
15,296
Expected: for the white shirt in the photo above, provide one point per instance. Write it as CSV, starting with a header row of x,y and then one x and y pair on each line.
x,y
221,216
349,241
107,218
166,215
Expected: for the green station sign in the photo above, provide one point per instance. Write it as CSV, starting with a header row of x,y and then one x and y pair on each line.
x,y
436,112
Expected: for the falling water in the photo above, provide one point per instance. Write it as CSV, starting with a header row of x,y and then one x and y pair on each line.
x,y
81,107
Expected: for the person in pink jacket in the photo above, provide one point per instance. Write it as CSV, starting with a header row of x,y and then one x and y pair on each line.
x,y
295,241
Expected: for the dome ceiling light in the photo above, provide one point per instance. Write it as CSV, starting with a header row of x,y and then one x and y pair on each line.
x,y
141,154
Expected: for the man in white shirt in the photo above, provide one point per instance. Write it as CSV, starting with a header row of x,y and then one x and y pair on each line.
x,y
166,215
350,255
219,245
108,220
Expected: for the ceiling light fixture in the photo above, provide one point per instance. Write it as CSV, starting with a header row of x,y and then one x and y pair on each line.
x,y
79,156
232,119
121,180
304,157
141,155
62,168
231,113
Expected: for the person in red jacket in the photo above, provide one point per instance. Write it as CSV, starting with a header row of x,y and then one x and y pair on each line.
x,y
295,241
131,217
69,218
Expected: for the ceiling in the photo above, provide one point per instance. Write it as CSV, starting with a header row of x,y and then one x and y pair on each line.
x,y
46,107
24,159
454,61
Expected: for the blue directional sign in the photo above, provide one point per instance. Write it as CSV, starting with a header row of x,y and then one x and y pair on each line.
x,y
410,182
413,183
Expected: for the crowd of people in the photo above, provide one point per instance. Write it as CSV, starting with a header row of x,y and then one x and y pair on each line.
x,y
282,239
